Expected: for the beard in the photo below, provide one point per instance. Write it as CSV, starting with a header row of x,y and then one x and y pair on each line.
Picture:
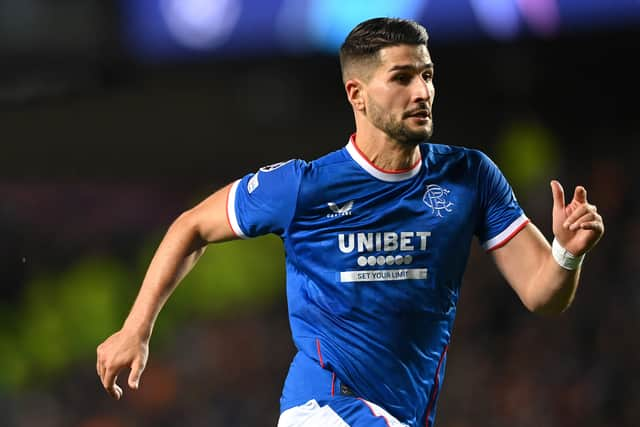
x,y
396,128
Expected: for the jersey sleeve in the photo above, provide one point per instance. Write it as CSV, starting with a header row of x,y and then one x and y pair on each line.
x,y
500,215
265,202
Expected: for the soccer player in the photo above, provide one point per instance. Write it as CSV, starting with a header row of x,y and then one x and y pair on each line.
x,y
377,236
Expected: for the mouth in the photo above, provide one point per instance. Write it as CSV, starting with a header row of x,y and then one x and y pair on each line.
x,y
420,114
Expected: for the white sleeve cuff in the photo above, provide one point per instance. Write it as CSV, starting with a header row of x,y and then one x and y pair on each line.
x,y
506,235
231,211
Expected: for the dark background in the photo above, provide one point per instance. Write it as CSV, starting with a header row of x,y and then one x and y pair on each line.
x,y
101,150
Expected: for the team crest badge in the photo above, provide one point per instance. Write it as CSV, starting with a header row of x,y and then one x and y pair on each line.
x,y
436,198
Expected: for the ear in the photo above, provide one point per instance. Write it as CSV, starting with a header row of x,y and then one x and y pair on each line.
x,y
355,94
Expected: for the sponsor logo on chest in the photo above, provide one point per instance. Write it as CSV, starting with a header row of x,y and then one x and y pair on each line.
x,y
384,241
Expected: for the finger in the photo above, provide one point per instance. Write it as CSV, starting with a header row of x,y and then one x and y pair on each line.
x,y
578,213
580,194
596,226
98,362
118,391
109,383
100,366
136,372
558,194
583,219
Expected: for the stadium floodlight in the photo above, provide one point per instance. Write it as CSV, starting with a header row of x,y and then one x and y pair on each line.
x,y
200,24
499,18
542,16
325,23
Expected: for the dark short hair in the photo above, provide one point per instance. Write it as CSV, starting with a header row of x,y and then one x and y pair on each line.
x,y
365,41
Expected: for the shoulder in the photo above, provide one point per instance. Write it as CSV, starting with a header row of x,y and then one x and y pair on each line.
x,y
291,175
440,155
325,168
334,158
302,167
274,178
452,151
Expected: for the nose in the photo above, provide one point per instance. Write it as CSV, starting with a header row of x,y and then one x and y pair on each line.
x,y
422,90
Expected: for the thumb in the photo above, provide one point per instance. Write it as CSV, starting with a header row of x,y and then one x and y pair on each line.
x,y
136,372
580,194
558,194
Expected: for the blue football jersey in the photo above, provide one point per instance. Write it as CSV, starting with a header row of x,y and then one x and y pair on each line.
x,y
374,262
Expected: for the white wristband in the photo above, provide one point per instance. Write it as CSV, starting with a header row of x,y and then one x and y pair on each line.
x,y
564,258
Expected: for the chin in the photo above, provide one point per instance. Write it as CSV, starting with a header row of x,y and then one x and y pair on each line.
x,y
412,140
428,132
419,136
410,135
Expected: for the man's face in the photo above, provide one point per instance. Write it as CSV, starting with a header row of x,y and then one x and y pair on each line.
x,y
400,92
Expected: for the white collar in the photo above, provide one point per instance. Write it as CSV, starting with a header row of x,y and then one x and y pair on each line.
x,y
375,171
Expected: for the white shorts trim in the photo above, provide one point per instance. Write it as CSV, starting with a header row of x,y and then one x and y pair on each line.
x,y
380,412
311,414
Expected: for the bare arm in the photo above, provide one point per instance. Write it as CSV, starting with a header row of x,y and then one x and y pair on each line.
x,y
181,247
527,262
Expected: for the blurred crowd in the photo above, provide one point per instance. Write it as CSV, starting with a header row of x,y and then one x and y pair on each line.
x,y
506,367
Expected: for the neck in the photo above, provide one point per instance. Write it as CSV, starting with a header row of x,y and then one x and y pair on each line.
x,y
385,152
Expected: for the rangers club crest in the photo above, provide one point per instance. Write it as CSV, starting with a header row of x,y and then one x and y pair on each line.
x,y
436,198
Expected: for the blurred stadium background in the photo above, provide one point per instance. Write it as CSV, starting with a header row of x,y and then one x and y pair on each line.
x,y
116,116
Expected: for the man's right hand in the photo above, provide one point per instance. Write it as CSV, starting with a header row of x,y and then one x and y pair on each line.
x,y
180,249
121,350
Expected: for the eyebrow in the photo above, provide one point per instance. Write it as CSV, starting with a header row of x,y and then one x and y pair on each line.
x,y
410,67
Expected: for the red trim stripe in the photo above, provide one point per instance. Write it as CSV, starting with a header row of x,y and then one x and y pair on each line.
x,y
373,412
333,384
319,353
436,386
391,171
509,237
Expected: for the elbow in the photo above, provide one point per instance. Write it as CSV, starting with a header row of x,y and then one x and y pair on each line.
x,y
186,225
549,301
